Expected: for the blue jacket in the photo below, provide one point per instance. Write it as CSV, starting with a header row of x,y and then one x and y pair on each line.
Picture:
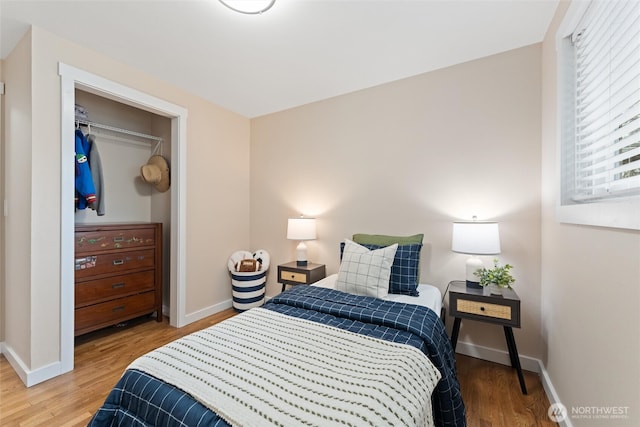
x,y
85,190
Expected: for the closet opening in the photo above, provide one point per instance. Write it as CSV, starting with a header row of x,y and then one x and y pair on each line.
x,y
129,127
122,244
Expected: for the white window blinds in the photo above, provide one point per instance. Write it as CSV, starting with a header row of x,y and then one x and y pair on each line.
x,y
606,153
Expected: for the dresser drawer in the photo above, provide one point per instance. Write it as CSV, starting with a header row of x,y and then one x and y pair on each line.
x,y
111,312
102,240
94,291
113,263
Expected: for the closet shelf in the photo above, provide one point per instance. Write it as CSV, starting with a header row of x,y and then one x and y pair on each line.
x,y
119,130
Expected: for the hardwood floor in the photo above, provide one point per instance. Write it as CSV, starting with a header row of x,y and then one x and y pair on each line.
x,y
491,391
492,396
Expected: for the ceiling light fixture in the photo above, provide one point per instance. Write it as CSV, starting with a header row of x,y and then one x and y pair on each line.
x,y
248,7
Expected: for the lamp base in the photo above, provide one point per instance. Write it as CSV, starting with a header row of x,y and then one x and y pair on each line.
x,y
473,264
473,285
301,259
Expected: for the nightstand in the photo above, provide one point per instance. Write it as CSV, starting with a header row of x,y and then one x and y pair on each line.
x,y
479,304
293,274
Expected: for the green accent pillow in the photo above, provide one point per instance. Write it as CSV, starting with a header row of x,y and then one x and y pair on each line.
x,y
384,240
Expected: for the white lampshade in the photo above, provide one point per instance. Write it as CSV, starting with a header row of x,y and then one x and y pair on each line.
x,y
301,229
475,238
250,7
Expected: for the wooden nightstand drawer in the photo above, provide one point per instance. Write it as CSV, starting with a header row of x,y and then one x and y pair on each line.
x,y
286,275
484,309
479,304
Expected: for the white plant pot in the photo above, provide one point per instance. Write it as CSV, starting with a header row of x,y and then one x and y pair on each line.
x,y
495,289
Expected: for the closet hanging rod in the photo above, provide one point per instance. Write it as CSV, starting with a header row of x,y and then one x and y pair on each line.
x,y
115,129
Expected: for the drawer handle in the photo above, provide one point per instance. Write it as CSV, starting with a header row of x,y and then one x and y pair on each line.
x,y
118,308
118,239
481,308
117,285
118,261
293,276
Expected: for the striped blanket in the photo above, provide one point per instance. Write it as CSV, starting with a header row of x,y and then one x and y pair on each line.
x,y
267,368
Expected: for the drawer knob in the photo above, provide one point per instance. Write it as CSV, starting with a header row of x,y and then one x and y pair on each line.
x,y
481,308
118,261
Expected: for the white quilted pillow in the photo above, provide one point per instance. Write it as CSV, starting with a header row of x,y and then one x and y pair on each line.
x,y
364,271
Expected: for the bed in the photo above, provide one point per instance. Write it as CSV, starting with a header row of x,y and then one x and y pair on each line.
x,y
313,355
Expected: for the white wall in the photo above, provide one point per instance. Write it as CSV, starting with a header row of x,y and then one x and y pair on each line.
x,y
17,172
590,290
410,157
217,151
2,156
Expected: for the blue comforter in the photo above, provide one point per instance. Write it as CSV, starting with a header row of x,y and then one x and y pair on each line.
x,y
141,400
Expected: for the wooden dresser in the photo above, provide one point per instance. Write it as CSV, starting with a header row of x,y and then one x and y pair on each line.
x,y
118,273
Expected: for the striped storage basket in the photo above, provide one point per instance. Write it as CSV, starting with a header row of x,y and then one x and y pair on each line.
x,y
248,287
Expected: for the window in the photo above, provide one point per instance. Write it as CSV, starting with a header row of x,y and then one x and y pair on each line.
x,y
599,87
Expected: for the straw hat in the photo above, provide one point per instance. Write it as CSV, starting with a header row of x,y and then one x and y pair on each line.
x,y
156,173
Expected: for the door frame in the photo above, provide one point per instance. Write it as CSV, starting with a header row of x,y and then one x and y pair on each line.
x,y
72,78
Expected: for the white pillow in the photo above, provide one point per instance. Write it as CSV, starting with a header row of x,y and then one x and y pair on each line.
x,y
365,272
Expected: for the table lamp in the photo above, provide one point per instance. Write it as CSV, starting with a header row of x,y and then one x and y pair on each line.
x,y
475,238
301,229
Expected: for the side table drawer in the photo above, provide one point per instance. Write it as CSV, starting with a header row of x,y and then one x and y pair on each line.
x,y
292,276
477,305
484,309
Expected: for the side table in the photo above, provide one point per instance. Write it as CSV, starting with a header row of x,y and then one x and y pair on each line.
x,y
480,305
293,274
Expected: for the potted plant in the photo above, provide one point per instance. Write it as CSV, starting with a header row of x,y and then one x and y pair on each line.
x,y
500,276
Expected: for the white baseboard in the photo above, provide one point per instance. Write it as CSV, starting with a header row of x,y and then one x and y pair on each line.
x,y
527,363
497,356
552,395
206,312
30,377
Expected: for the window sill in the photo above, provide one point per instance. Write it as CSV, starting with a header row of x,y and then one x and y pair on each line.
x,y
623,214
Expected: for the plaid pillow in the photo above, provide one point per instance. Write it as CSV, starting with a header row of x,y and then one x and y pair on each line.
x,y
405,269
365,272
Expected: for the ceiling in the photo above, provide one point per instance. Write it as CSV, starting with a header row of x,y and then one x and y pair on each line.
x,y
300,51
